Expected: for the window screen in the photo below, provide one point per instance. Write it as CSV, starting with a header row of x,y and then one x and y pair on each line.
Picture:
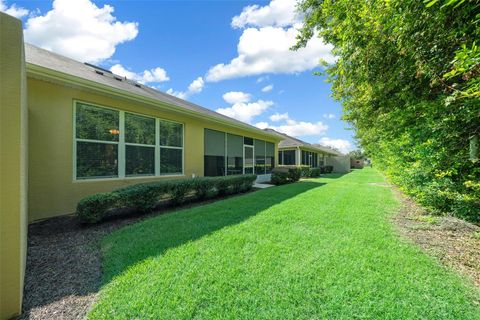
x,y
140,145
259,146
269,157
214,151
234,154
97,135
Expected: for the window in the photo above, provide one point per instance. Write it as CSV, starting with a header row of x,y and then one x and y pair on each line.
x,y
259,146
139,145
269,157
248,141
229,154
280,157
96,140
214,153
289,157
234,154
171,147
117,144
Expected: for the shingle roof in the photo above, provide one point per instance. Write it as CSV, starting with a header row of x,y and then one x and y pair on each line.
x,y
47,59
291,142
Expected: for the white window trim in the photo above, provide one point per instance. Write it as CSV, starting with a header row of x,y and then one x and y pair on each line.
x,y
122,147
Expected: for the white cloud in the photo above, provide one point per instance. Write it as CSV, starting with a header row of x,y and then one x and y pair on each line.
x,y
264,46
279,13
267,50
279,117
233,97
329,116
148,76
196,86
262,125
344,146
302,128
267,88
13,10
262,79
244,111
178,94
293,127
80,30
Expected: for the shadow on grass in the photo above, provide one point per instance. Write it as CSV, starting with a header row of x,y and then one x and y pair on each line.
x,y
150,238
64,263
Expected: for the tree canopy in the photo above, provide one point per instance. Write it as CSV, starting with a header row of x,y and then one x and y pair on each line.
x,y
408,77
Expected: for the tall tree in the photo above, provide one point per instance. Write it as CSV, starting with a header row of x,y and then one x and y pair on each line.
x,y
408,77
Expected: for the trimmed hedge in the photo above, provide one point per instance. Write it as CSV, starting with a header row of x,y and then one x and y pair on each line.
x,y
146,196
283,175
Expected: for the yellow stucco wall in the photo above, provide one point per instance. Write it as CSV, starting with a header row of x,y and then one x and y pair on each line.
x,y
52,191
13,175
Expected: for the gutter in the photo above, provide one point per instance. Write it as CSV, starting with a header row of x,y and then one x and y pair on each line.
x,y
39,72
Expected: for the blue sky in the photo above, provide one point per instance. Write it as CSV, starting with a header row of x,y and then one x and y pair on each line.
x,y
229,56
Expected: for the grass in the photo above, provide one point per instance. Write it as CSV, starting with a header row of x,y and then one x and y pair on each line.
x,y
318,249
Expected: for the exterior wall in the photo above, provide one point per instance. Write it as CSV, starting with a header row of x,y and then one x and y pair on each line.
x,y
13,165
341,164
52,191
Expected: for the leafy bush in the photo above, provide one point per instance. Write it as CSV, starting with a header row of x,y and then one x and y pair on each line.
x,y
314,172
294,174
279,176
146,196
94,208
414,101
204,188
328,169
305,171
283,175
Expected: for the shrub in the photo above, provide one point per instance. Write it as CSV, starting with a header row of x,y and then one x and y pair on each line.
x,y
283,175
314,172
279,176
145,196
294,174
328,169
203,187
142,197
305,171
94,208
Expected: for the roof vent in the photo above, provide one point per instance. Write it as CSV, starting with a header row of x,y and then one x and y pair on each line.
x,y
99,72
137,85
118,78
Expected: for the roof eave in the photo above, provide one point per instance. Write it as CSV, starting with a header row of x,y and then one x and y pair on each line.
x,y
40,72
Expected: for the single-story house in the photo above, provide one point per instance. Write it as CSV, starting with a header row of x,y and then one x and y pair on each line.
x,y
70,129
295,152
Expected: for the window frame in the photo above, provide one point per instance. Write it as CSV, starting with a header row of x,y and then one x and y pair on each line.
x,y
122,146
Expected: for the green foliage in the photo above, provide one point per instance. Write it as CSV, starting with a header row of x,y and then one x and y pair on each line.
x,y
146,196
408,77
317,249
279,176
328,169
357,154
94,208
305,171
315,172
283,175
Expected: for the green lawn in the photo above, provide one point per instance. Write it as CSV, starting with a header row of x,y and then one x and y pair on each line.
x,y
318,249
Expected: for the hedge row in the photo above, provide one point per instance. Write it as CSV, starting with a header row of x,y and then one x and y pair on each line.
x,y
283,175
146,196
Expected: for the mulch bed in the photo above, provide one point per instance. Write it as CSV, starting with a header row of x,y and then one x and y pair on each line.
x,y
63,272
455,242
